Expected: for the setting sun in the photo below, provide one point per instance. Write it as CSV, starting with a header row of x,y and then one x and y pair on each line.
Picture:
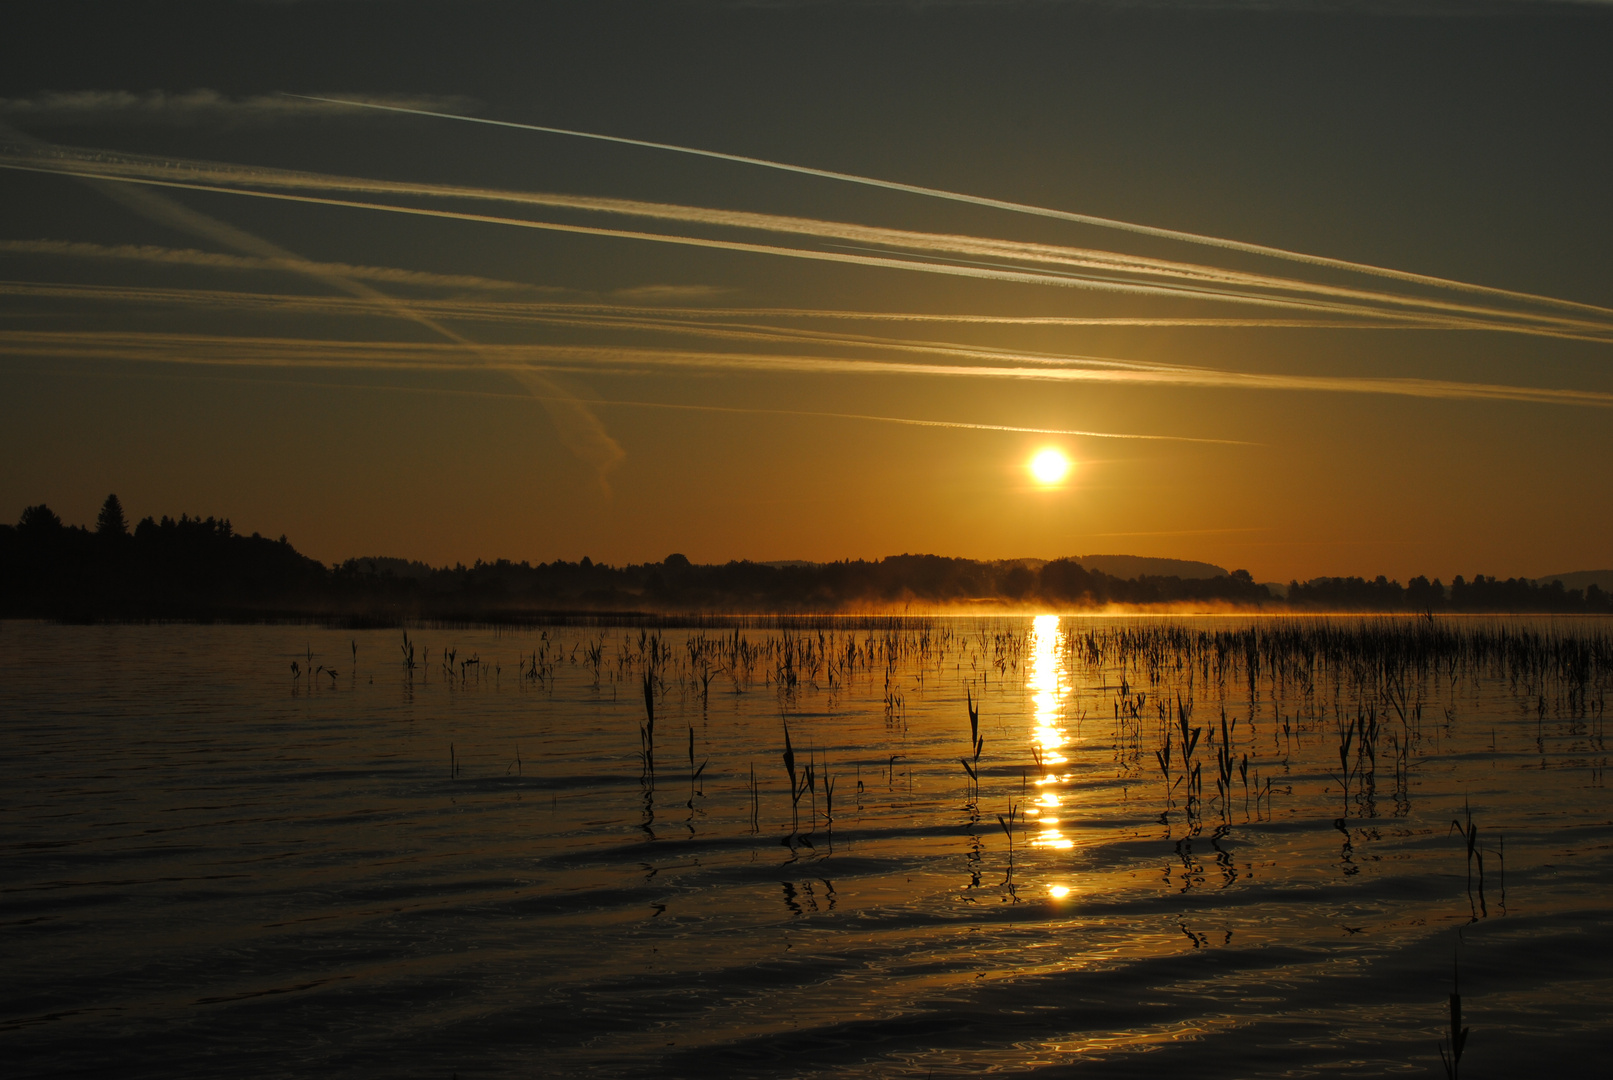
x,y
1049,466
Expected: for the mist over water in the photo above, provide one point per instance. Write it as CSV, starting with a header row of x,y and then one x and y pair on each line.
x,y
481,858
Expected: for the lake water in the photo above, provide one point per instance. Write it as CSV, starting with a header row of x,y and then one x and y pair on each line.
x,y
214,867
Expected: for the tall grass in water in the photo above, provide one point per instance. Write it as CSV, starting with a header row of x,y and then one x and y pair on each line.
x,y
977,743
828,794
797,789
694,773
1224,765
1190,742
646,731
1470,834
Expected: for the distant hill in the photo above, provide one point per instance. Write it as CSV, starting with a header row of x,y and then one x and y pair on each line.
x,y
1579,579
1132,566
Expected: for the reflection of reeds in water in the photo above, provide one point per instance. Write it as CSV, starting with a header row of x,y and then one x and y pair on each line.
x,y
1456,1042
1007,824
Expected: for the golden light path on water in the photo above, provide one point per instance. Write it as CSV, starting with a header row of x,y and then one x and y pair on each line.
x,y
1049,688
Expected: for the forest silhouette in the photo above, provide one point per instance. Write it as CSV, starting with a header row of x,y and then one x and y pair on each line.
x,y
201,568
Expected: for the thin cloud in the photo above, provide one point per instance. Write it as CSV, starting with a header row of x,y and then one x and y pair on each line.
x,y
745,410
146,253
203,107
211,350
665,293
519,311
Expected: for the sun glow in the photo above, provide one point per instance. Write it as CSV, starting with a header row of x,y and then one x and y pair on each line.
x,y
1049,466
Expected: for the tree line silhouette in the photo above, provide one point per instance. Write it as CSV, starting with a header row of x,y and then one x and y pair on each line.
x,y
201,568
1419,594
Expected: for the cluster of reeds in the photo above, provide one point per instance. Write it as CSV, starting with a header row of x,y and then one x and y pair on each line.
x,y
313,672
1468,830
1191,770
594,656
1371,655
1368,681
1361,736
1224,762
805,783
539,667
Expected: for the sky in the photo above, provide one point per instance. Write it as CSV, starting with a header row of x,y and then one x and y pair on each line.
x,y
1303,288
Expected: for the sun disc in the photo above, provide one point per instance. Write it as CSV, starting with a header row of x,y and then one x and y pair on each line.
x,y
1049,466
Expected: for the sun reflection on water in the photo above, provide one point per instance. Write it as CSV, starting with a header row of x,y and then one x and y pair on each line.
x,y
1048,688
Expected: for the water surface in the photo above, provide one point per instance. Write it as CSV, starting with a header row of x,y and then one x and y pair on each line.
x,y
214,866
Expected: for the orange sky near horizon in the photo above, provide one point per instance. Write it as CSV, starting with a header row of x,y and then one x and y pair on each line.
x,y
1363,328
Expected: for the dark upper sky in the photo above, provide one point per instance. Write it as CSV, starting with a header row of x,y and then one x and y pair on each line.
x,y
468,358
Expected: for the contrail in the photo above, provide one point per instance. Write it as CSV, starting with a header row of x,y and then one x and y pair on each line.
x,y
982,201
529,310
1083,263
1550,326
605,317
150,253
956,424
521,311
205,350
579,429
681,407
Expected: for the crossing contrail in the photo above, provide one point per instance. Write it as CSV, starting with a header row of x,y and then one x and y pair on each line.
x,y
983,201
544,311
224,351
579,429
1054,261
1192,282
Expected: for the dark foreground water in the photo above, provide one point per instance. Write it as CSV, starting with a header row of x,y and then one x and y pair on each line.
x,y
211,867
